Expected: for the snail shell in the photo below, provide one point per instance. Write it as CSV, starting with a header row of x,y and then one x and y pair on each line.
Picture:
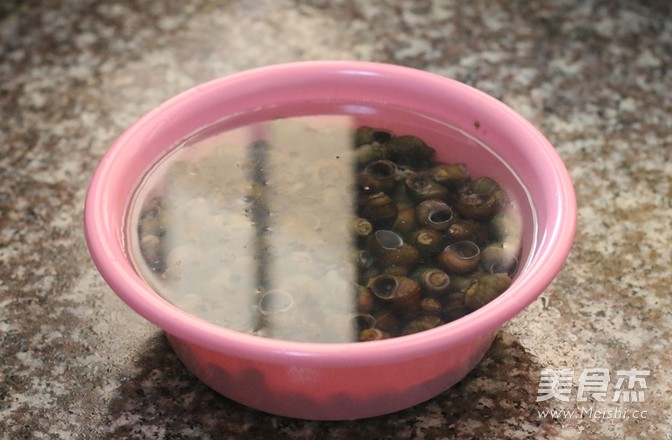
x,y
421,187
434,213
401,293
461,257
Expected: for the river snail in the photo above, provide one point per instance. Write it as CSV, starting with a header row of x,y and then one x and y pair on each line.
x,y
389,249
420,187
384,172
460,283
362,321
406,257
384,240
449,174
434,282
399,193
379,209
363,259
366,185
410,150
485,289
499,258
396,269
405,222
367,135
403,294
484,185
469,230
364,299
386,320
454,306
487,185
363,228
430,306
434,213
460,257
425,322
428,241
477,206
373,334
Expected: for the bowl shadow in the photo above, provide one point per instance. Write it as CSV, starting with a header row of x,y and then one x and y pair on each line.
x,y
163,400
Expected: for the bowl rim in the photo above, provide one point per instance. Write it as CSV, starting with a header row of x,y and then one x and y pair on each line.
x,y
103,241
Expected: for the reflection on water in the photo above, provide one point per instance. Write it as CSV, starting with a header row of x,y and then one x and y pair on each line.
x,y
256,228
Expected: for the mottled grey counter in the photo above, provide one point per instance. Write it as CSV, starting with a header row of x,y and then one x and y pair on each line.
x,y
594,76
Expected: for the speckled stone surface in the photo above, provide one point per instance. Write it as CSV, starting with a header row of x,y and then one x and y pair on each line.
x,y
595,77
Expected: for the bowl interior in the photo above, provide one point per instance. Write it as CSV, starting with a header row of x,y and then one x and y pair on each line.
x,y
461,123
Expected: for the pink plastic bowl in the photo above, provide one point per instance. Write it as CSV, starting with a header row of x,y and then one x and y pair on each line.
x,y
349,380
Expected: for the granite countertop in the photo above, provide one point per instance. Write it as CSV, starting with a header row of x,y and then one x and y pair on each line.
x,y
595,76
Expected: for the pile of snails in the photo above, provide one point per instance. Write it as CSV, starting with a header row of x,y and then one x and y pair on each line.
x,y
433,244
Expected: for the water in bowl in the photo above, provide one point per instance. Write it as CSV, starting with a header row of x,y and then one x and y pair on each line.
x,y
332,227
